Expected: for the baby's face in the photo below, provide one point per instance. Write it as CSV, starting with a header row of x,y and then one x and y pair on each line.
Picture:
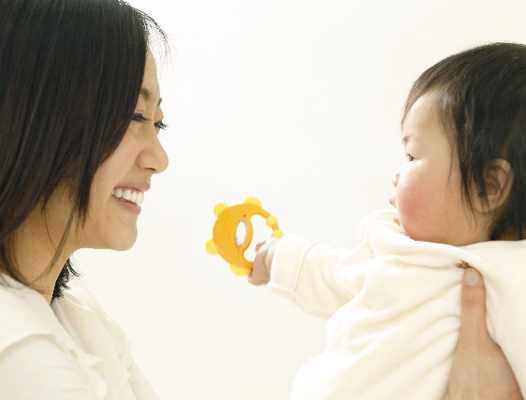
x,y
428,192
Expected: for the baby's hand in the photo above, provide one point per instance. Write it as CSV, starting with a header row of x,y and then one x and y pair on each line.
x,y
260,274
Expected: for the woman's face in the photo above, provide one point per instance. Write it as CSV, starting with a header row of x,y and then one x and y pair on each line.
x,y
122,180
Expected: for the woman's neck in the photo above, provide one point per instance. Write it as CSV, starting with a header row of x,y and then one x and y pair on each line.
x,y
35,249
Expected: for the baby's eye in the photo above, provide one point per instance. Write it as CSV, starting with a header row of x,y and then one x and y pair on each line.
x,y
410,157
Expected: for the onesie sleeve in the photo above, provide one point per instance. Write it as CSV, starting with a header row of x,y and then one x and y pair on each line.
x,y
309,274
51,374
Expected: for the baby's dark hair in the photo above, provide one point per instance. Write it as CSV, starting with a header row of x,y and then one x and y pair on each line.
x,y
482,103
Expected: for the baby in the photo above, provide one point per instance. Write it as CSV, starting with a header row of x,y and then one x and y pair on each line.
x,y
393,302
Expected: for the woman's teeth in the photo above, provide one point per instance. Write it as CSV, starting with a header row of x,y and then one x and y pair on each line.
x,y
133,196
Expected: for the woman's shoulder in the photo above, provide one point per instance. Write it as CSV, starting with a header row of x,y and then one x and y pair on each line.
x,y
78,306
23,312
84,318
29,321
77,298
75,320
71,329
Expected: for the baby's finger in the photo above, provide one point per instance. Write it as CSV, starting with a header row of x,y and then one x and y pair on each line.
x,y
259,274
258,246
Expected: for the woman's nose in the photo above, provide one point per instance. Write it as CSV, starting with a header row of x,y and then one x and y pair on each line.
x,y
154,157
161,157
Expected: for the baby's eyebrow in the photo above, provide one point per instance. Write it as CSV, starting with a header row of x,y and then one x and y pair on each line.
x,y
406,138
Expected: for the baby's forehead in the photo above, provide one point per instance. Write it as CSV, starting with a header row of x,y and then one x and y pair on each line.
x,y
427,121
435,104
431,97
426,106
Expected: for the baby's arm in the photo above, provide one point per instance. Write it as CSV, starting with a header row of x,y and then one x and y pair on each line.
x,y
309,273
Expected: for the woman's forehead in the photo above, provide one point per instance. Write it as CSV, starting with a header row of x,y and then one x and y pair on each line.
x,y
150,90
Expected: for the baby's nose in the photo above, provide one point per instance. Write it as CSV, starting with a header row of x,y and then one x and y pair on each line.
x,y
395,177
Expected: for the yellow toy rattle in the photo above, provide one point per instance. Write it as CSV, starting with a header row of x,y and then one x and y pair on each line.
x,y
230,221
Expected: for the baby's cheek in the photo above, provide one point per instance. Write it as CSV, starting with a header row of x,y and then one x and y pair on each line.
x,y
414,219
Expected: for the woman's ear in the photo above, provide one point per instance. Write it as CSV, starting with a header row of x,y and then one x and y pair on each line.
x,y
498,178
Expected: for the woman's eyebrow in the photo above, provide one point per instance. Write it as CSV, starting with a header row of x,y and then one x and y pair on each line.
x,y
148,95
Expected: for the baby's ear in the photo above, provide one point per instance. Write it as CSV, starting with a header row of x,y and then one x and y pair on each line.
x,y
498,177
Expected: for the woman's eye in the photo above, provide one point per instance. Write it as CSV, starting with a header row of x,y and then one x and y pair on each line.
x,y
161,125
138,117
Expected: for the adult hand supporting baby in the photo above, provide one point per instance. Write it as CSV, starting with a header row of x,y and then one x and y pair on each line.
x,y
480,370
260,274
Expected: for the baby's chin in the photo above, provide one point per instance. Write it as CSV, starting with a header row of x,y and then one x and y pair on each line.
x,y
412,235
396,220
420,236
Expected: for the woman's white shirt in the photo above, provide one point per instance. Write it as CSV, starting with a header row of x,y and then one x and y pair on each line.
x,y
70,350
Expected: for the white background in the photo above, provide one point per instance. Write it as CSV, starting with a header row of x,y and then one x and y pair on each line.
x,y
298,103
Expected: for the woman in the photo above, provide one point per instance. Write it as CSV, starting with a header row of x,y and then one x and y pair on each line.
x,y
79,115
79,118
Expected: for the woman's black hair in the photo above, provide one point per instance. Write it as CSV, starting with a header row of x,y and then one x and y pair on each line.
x,y
482,96
70,75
